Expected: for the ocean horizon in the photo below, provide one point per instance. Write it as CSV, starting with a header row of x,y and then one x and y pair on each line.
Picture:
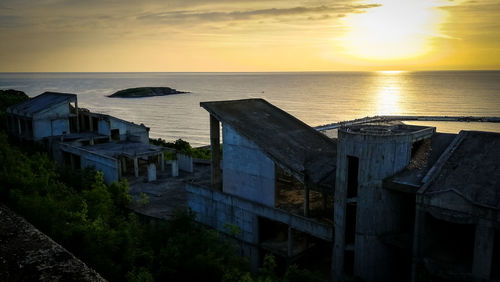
x,y
316,98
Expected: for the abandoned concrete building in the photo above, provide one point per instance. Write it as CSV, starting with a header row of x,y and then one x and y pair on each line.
x,y
383,201
79,138
378,200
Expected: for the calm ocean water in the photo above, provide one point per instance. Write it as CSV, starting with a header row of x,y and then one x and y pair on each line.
x,y
314,97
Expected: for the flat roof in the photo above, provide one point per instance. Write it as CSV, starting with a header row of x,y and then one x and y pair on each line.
x,y
472,169
286,140
40,103
127,148
383,129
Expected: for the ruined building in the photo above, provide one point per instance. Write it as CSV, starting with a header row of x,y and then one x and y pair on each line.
x,y
384,201
79,138
379,201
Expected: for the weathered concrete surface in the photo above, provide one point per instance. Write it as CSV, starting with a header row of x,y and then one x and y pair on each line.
x,y
382,151
218,209
472,170
248,172
462,188
290,143
167,194
48,115
26,254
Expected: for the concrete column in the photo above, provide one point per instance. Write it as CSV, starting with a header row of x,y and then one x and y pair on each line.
x,y
72,161
119,166
124,165
91,126
339,235
290,242
136,167
306,200
483,251
175,168
151,172
215,162
19,125
418,242
77,118
162,160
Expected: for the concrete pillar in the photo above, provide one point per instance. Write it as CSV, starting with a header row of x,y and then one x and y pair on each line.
x,y
339,239
72,161
77,117
290,242
136,167
175,168
124,165
418,242
306,200
483,251
19,126
162,160
119,166
151,172
91,126
215,160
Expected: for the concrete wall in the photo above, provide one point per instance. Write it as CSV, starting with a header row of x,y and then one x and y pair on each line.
x,y
46,127
218,209
126,129
378,210
185,162
51,122
54,111
107,165
247,171
103,127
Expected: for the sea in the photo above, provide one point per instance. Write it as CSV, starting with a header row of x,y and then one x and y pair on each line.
x,y
316,98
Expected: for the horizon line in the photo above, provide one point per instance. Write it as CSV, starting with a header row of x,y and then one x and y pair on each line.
x,y
322,71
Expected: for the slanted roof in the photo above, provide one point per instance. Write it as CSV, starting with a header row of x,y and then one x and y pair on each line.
x,y
40,103
410,179
286,140
471,169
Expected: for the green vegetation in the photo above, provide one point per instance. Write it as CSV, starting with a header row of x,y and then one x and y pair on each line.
x,y
145,92
183,147
8,98
92,220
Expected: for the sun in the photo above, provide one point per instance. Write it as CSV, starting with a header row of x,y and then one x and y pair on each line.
x,y
398,29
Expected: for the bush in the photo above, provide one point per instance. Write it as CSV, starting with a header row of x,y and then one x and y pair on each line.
x,y
183,147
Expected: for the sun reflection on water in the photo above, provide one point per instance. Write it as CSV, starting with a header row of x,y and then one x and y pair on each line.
x,y
388,96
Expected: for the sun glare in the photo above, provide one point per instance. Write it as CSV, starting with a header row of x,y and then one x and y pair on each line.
x,y
388,93
398,29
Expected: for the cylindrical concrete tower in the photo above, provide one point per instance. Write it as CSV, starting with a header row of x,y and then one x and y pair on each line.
x,y
363,209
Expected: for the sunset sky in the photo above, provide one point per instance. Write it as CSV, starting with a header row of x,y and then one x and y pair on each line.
x,y
249,35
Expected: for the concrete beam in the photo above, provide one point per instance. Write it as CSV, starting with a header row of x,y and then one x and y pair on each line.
x,y
215,160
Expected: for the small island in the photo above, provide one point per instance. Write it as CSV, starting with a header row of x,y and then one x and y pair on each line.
x,y
145,92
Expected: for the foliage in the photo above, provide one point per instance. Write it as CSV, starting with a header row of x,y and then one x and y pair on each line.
x,y
183,147
143,199
8,98
91,219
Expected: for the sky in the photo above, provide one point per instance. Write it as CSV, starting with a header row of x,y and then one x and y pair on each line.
x,y
248,35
